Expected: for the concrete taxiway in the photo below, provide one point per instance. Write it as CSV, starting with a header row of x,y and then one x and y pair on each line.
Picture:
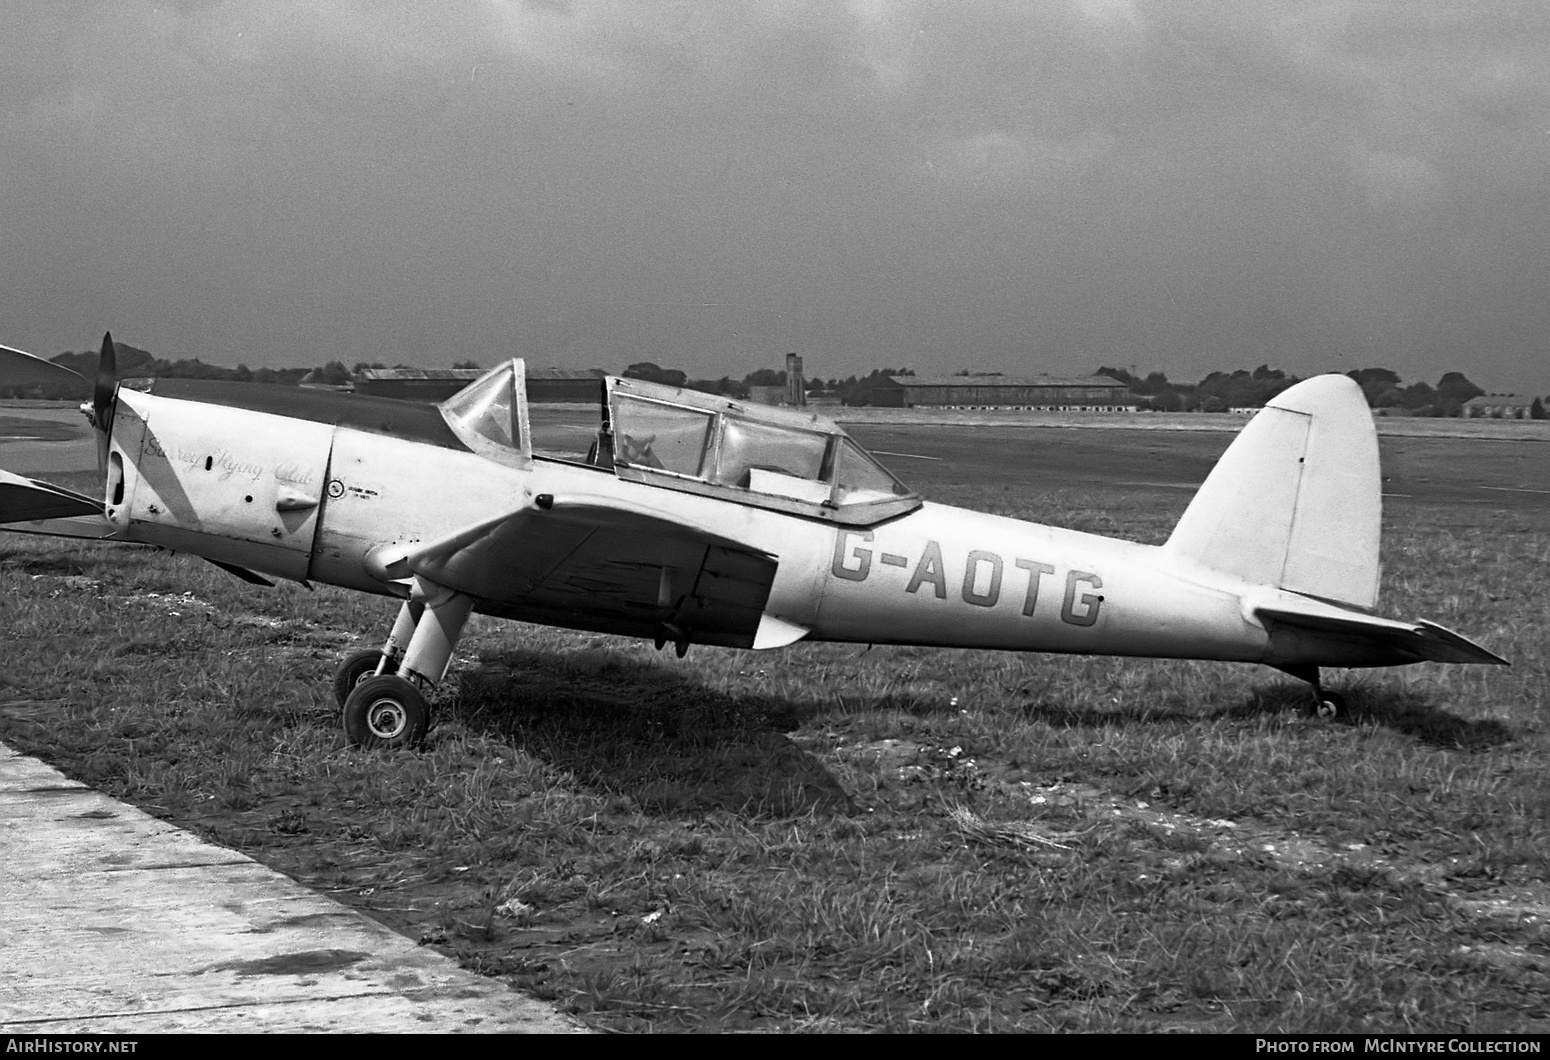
x,y
117,923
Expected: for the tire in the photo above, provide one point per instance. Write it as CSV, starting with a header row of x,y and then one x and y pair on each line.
x,y
386,711
356,667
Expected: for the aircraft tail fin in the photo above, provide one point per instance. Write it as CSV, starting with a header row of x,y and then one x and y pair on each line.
x,y
1296,501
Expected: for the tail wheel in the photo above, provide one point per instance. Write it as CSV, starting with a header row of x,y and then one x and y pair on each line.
x,y
356,667
386,711
1329,705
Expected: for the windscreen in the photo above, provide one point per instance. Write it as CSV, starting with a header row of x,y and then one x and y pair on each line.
x,y
488,414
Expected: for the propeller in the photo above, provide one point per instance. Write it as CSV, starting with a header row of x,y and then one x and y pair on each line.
x,y
107,385
104,399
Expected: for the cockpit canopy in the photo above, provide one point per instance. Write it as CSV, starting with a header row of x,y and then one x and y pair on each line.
x,y
697,443
776,458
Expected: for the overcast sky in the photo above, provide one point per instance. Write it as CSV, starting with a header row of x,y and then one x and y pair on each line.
x,y
1047,185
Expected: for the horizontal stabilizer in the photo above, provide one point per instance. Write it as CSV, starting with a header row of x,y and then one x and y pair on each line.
x,y
1466,650
1388,641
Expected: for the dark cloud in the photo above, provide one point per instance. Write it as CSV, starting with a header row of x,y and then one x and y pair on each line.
x,y
1023,186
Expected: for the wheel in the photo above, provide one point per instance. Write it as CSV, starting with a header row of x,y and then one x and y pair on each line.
x,y
386,711
1329,705
358,666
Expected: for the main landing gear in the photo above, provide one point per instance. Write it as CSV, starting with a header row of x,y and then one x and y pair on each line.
x,y
1327,705
383,692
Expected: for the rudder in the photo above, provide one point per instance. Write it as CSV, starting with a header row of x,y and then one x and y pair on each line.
x,y
1296,500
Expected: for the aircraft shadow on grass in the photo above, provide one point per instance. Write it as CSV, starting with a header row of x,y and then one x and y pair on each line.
x,y
666,741
1410,713
72,562
1420,717
670,743
51,563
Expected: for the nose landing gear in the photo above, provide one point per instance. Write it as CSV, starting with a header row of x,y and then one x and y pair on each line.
x,y
382,692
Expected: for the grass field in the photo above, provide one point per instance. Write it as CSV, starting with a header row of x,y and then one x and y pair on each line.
x,y
834,838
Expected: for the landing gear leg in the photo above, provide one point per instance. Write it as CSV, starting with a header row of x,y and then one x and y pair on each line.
x,y
1327,705
436,632
389,709
373,662
398,639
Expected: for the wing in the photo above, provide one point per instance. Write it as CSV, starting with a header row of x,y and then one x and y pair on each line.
x,y
19,368
1366,640
609,566
32,507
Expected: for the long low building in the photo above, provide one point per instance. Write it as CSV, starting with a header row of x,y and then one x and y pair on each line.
x,y
544,385
971,391
1504,406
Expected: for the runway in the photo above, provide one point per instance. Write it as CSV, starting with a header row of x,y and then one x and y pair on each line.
x,y
1502,472
1482,473
117,923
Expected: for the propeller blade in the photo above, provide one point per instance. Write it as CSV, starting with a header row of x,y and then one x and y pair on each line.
x,y
107,384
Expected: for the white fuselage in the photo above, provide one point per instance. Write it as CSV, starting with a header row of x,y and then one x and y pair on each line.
x,y
309,500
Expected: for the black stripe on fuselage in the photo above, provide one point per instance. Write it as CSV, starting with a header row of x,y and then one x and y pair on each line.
x,y
376,415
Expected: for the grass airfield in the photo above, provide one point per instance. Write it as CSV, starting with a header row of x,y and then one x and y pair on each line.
x,y
834,838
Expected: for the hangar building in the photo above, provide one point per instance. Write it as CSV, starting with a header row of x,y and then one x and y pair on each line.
x,y
971,391
1502,406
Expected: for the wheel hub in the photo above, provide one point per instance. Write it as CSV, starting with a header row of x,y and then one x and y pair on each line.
x,y
387,719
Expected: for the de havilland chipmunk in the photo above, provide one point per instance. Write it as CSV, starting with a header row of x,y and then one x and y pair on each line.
x,y
694,519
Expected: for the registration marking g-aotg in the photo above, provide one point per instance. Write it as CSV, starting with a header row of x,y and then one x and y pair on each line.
x,y
985,574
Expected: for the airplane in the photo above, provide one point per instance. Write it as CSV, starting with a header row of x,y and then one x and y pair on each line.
x,y
697,519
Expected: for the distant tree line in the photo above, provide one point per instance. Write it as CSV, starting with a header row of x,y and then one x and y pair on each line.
x,y
1220,391
726,386
135,363
1217,392
853,390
